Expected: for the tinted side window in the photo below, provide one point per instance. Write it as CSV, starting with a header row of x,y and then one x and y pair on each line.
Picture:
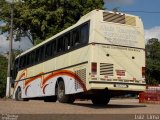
x,y
20,63
39,54
41,57
48,51
28,59
84,33
75,37
67,41
37,58
60,45
23,62
32,58
54,48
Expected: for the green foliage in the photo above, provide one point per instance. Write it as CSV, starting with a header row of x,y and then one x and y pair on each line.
x,y
42,19
3,75
3,71
153,61
15,53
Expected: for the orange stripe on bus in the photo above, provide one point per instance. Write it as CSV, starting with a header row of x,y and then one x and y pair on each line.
x,y
32,79
20,77
44,88
67,73
52,75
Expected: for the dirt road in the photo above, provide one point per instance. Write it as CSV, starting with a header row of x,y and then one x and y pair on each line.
x,y
118,109
116,106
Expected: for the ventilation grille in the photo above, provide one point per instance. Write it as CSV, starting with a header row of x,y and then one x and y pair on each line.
x,y
130,21
112,17
106,69
77,85
82,75
119,18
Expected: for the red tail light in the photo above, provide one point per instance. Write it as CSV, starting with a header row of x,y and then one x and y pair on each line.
x,y
143,72
94,68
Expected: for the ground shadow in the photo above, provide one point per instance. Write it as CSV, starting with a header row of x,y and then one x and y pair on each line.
x,y
109,106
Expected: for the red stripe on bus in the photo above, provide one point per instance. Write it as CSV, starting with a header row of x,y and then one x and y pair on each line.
x,y
26,89
45,88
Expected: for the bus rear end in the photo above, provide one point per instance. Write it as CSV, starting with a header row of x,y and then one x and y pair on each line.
x,y
118,54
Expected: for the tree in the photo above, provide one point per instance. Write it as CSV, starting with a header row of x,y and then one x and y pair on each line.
x,y
41,19
3,75
3,71
153,61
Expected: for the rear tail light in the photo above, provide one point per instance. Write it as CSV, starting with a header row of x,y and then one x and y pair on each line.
x,y
94,68
143,72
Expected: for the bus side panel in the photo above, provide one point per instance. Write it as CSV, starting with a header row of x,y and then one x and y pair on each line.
x,y
32,89
71,67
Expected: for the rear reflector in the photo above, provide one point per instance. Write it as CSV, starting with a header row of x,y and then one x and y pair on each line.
x,y
94,68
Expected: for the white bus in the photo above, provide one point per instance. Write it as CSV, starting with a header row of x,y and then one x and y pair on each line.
x,y
100,56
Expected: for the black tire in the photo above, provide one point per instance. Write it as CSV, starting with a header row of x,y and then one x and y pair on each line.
x,y
61,96
18,95
100,99
50,99
25,99
71,99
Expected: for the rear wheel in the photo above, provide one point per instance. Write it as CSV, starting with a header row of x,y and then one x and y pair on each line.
x,y
61,96
100,99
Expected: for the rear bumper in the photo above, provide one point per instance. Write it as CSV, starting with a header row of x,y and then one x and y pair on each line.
x,y
117,86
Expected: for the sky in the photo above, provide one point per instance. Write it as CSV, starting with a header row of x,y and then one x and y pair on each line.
x,y
24,44
150,20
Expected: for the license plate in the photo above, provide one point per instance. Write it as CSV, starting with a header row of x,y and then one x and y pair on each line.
x,y
120,85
